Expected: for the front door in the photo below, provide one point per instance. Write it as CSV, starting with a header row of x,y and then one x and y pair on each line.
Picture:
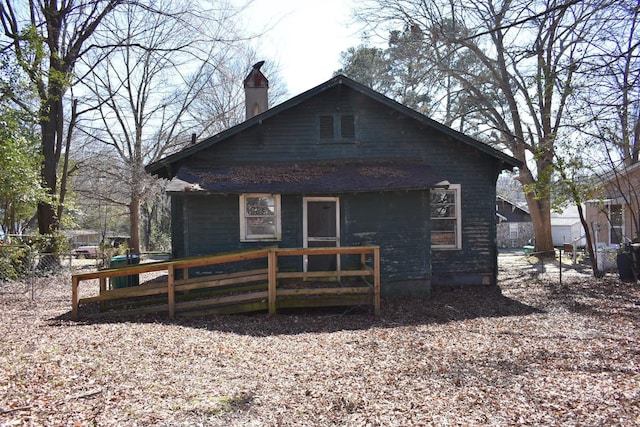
x,y
321,224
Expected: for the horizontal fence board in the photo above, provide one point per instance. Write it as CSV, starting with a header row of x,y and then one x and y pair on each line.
x,y
238,291
314,274
213,283
146,290
323,291
211,278
325,251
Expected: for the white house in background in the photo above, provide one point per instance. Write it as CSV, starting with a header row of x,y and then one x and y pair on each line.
x,y
567,228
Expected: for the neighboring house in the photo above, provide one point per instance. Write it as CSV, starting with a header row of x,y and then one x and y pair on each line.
x,y
614,216
515,228
566,228
342,165
83,237
93,237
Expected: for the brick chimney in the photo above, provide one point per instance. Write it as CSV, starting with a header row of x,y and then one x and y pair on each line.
x,y
256,88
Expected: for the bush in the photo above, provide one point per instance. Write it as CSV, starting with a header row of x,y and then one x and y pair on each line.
x,y
15,262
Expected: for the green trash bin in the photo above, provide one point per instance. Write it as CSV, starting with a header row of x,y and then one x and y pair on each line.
x,y
124,281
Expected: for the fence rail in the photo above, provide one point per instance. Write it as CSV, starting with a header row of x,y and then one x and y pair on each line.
x,y
189,291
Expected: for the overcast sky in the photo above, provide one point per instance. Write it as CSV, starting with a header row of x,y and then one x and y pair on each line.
x,y
307,38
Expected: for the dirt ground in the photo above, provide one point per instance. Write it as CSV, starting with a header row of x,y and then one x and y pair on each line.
x,y
533,351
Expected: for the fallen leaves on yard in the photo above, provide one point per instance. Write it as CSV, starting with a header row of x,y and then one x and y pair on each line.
x,y
532,352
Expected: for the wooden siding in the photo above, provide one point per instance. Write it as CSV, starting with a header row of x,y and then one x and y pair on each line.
x,y
476,263
398,222
213,226
293,136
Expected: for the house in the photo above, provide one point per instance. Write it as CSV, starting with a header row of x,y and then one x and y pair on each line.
x,y
83,237
341,165
566,228
614,216
515,228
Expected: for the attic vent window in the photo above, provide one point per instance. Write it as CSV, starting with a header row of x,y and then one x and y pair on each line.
x,y
326,127
337,128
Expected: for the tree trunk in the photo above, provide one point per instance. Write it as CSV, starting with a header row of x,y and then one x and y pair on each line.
x,y
539,203
540,210
589,243
134,219
47,223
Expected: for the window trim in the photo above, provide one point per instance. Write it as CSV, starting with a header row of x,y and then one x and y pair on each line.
x,y
244,237
458,217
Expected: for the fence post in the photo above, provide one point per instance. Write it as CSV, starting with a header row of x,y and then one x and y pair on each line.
x,y
74,297
171,292
273,270
376,286
103,288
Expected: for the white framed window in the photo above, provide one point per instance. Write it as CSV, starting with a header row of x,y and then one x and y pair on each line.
x,y
259,217
616,224
513,230
446,221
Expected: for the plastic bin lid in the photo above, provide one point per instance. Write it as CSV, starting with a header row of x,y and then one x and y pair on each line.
x,y
124,257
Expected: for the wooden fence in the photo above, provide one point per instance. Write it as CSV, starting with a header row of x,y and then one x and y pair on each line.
x,y
187,289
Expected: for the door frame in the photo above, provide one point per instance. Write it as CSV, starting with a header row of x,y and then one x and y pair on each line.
x,y
305,227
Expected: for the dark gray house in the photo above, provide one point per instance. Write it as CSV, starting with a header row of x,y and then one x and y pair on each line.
x,y
342,165
515,227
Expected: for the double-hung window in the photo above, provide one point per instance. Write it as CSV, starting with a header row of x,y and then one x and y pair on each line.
x,y
259,217
446,227
616,224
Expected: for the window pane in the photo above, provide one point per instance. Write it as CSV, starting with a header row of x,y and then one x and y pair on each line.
x,y
443,196
443,239
513,231
443,204
616,215
261,226
444,225
260,206
443,211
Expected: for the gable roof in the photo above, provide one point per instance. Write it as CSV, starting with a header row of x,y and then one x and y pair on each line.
x,y
164,167
520,206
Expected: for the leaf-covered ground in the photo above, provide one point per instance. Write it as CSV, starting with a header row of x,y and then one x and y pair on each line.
x,y
532,352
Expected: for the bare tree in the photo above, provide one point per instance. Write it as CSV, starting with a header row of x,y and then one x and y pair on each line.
x,y
48,38
144,90
610,109
601,159
220,102
530,53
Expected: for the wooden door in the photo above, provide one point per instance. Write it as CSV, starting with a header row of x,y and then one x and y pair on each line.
x,y
321,225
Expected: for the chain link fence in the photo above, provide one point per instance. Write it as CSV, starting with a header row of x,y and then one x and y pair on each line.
x,y
24,270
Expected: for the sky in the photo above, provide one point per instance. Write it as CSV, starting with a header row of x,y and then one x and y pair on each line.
x,y
306,38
